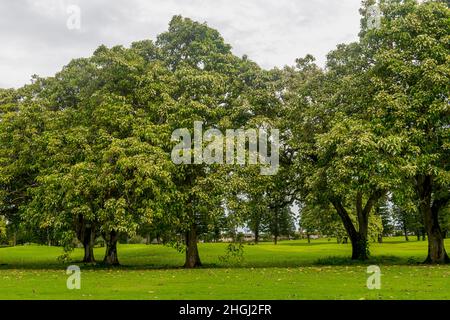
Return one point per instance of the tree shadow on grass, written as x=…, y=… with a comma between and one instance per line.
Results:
x=326, y=261
x=305, y=244
x=374, y=260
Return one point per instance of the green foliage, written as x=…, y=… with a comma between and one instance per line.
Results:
x=234, y=254
x=88, y=150
x=3, y=235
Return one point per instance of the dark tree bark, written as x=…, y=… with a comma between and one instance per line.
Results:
x=111, y=257
x=86, y=235
x=405, y=232
x=192, y=256
x=359, y=251
x=88, y=245
x=358, y=238
x=256, y=232
x=430, y=211
x=308, y=236
x=276, y=225
x=380, y=238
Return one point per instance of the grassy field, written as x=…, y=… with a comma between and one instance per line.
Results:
x=289, y=270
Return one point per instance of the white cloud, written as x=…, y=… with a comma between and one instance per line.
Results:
x=35, y=39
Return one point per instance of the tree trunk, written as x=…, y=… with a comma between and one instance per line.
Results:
x=380, y=238
x=256, y=235
x=88, y=244
x=308, y=237
x=192, y=256
x=111, y=257
x=360, y=248
x=405, y=232
x=429, y=210
x=436, y=248
x=362, y=244
x=86, y=235
x=275, y=239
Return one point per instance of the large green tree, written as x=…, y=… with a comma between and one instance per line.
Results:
x=410, y=72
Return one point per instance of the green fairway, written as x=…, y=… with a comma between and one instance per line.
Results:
x=289, y=270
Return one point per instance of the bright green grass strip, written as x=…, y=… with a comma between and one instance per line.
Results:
x=289, y=270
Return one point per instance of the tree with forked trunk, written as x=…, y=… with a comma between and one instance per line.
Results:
x=411, y=86
x=111, y=258
x=431, y=202
x=342, y=157
x=358, y=234
x=86, y=234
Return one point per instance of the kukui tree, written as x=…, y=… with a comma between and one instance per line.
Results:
x=343, y=155
x=87, y=153
x=212, y=86
x=102, y=171
x=21, y=120
x=411, y=78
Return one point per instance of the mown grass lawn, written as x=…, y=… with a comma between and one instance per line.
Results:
x=289, y=270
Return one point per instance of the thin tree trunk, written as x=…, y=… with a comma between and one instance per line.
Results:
x=405, y=232
x=308, y=236
x=192, y=256
x=88, y=244
x=111, y=257
x=275, y=239
x=86, y=235
x=380, y=238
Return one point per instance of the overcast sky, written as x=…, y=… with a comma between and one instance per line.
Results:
x=35, y=38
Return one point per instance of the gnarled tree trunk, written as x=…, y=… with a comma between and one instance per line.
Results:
x=358, y=238
x=111, y=257
x=86, y=235
x=192, y=256
x=430, y=212
x=88, y=244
